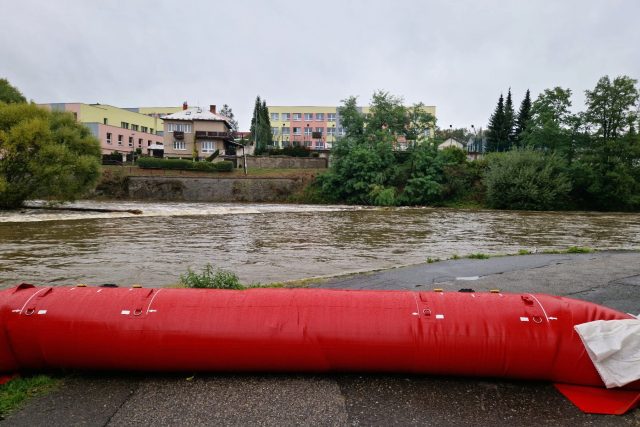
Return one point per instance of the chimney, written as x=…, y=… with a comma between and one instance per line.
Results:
x=185, y=105
x=212, y=108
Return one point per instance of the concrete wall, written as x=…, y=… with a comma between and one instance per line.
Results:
x=213, y=189
x=282, y=162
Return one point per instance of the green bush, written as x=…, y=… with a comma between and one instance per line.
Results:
x=223, y=166
x=218, y=279
x=579, y=250
x=478, y=256
x=526, y=179
x=183, y=164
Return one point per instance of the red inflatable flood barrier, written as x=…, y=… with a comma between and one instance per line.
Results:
x=524, y=336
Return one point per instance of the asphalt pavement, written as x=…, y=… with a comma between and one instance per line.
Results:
x=116, y=399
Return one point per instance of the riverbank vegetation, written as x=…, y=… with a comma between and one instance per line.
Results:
x=16, y=391
x=544, y=157
x=45, y=155
x=218, y=278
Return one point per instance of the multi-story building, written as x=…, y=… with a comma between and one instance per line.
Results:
x=314, y=127
x=195, y=132
x=119, y=130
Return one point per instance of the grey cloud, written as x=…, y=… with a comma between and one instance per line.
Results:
x=457, y=55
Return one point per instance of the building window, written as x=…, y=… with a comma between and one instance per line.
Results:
x=331, y=131
x=108, y=137
x=308, y=117
x=135, y=127
x=151, y=130
x=285, y=130
x=208, y=146
x=308, y=131
x=341, y=131
x=140, y=142
x=144, y=129
x=130, y=141
x=119, y=139
x=320, y=130
x=179, y=127
x=275, y=116
x=319, y=117
x=274, y=131
x=105, y=121
x=286, y=116
x=296, y=131
x=307, y=144
x=331, y=117
x=320, y=145
x=124, y=125
x=179, y=145
x=297, y=117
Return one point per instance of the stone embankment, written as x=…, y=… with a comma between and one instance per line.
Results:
x=190, y=189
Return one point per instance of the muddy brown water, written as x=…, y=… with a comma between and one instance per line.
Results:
x=266, y=243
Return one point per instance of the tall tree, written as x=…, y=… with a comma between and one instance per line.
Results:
x=255, y=121
x=496, y=139
x=509, y=122
x=552, y=125
x=265, y=125
x=228, y=112
x=524, y=116
x=419, y=121
x=611, y=106
x=10, y=94
x=44, y=155
x=261, y=126
x=351, y=119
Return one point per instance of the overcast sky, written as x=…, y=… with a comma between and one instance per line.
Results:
x=456, y=55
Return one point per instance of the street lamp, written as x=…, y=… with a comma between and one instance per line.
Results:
x=474, y=146
x=282, y=136
x=334, y=135
x=306, y=132
x=132, y=141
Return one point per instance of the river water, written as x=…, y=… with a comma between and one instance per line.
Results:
x=265, y=243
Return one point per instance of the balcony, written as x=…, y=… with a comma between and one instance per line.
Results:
x=200, y=134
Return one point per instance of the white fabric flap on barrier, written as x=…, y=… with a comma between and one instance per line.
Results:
x=614, y=349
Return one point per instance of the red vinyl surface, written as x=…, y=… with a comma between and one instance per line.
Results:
x=528, y=336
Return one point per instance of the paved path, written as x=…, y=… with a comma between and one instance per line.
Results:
x=610, y=278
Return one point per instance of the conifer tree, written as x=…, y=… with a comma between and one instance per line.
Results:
x=255, y=120
x=261, y=126
x=265, y=125
x=495, y=130
x=509, y=122
x=228, y=112
x=524, y=116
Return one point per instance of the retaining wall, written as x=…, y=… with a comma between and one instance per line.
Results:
x=283, y=162
x=213, y=189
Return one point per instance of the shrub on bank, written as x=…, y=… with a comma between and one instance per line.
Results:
x=218, y=279
x=527, y=179
x=183, y=164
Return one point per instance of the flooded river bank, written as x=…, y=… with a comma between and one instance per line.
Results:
x=266, y=243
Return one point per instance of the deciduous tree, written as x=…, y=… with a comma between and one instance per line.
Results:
x=10, y=94
x=44, y=155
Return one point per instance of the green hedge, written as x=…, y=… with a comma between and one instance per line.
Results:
x=183, y=164
x=296, y=151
